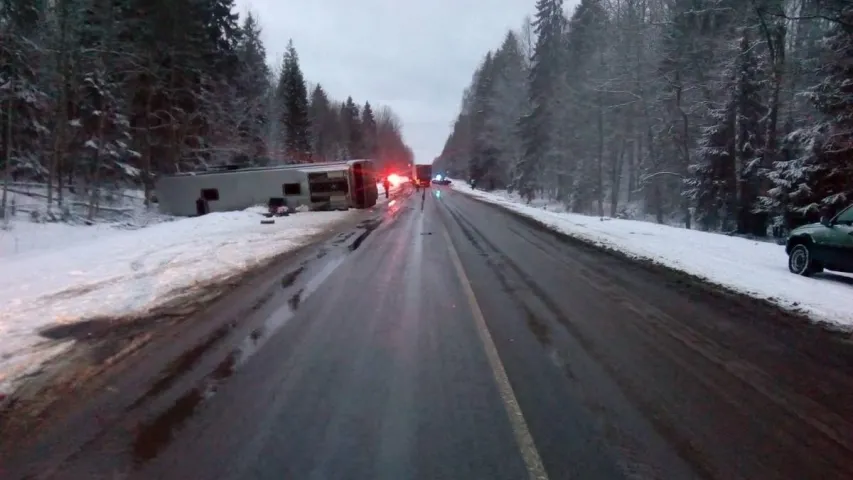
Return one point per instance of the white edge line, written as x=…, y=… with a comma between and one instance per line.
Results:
x=523, y=438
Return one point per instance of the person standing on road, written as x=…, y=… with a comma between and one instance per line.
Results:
x=386, y=184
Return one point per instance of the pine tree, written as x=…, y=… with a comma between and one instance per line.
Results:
x=711, y=183
x=538, y=126
x=580, y=104
x=294, y=96
x=103, y=129
x=368, y=127
x=749, y=137
x=724, y=182
x=251, y=88
x=326, y=135
x=454, y=155
x=820, y=174
x=223, y=36
x=20, y=91
x=22, y=98
x=507, y=104
x=183, y=63
x=352, y=126
x=483, y=149
x=318, y=110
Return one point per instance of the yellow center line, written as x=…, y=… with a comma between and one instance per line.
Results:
x=523, y=438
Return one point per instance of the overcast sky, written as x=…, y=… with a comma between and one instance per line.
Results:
x=415, y=56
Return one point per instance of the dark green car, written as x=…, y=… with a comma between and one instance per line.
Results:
x=828, y=244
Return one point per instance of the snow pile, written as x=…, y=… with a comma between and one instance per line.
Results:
x=755, y=268
x=62, y=274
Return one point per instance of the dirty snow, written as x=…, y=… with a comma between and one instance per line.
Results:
x=57, y=273
x=755, y=268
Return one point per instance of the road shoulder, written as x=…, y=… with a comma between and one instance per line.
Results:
x=675, y=346
x=111, y=352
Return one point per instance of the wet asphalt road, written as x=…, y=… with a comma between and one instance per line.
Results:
x=447, y=338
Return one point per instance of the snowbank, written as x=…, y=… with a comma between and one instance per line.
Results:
x=53, y=274
x=755, y=268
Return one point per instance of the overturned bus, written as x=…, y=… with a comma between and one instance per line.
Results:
x=319, y=186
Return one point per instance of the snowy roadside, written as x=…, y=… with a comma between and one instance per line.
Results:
x=56, y=277
x=758, y=269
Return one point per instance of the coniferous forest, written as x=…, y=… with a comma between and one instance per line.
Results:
x=104, y=93
x=722, y=115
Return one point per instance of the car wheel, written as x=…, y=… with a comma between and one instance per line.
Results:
x=800, y=261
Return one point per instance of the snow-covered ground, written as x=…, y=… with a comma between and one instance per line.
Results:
x=53, y=273
x=758, y=269
x=118, y=207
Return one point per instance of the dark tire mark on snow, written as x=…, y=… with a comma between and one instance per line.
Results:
x=295, y=299
x=94, y=329
x=289, y=278
x=368, y=226
x=226, y=368
x=155, y=435
x=183, y=364
x=152, y=437
x=261, y=301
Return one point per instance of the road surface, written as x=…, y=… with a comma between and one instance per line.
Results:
x=447, y=338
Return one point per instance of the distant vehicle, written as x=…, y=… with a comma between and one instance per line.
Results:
x=828, y=244
x=421, y=175
x=441, y=180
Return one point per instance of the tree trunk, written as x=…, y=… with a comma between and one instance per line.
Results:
x=62, y=105
x=600, y=157
x=633, y=165
x=59, y=143
x=95, y=184
x=771, y=145
x=63, y=164
x=616, y=177
x=8, y=160
x=174, y=154
x=685, y=147
x=149, y=150
x=60, y=185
